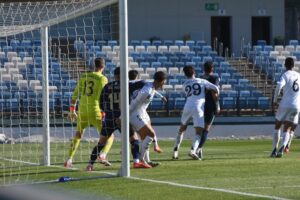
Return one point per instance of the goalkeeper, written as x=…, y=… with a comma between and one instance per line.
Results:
x=88, y=90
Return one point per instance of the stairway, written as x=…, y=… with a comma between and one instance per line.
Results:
x=260, y=80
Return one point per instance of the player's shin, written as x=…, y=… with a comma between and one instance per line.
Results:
x=145, y=146
x=285, y=140
x=95, y=153
x=135, y=150
x=178, y=141
x=276, y=137
x=74, y=146
x=203, y=138
x=196, y=142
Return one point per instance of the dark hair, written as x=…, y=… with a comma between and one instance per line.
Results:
x=99, y=63
x=289, y=63
x=189, y=71
x=117, y=71
x=133, y=74
x=208, y=66
x=159, y=76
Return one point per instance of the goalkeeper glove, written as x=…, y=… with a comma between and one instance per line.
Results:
x=72, y=116
x=103, y=115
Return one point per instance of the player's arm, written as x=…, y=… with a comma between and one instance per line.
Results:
x=212, y=87
x=164, y=99
x=279, y=86
x=72, y=116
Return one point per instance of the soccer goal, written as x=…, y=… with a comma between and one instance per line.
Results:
x=44, y=48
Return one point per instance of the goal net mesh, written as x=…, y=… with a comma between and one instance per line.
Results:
x=78, y=32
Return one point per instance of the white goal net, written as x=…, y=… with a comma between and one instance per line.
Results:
x=78, y=31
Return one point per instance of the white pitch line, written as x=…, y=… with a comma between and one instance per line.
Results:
x=209, y=188
x=19, y=161
x=172, y=183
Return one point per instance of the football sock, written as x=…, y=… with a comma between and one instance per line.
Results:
x=155, y=141
x=292, y=133
x=147, y=155
x=95, y=153
x=108, y=144
x=203, y=138
x=285, y=140
x=178, y=141
x=276, y=137
x=135, y=149
x=145, y=146
x=74, y=146
x=196, y=142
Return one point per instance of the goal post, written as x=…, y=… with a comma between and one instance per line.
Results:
x=44, y=48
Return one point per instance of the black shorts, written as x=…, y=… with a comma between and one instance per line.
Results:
x=209, y=115
x=109, y=125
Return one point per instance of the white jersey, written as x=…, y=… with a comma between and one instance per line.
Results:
x=142, y=99
x=195, y=90
x=194, y=106
x=289, y=82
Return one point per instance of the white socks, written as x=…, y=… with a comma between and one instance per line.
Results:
x=178, y=141
x=145, y=146
x=276, y=138
x=196, y=142
x=285, y=139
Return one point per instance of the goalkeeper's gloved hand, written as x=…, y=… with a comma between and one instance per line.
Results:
x=103, y=115
x=72, y=116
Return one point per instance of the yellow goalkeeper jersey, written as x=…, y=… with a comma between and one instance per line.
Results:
x=88, y=89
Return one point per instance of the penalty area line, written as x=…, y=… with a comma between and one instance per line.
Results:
x=209, y=188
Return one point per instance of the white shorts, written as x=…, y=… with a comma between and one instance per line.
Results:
x=195, y=112
x=139, y=119
x=288, y=114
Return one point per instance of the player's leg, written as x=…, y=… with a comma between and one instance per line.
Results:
x=96, y=152
x=285, y=137
x=209, y=116
x=198, y=121
x=292, y=133
x=178, y=140
x=196, y=142
x=185, y=117
x=81, y=125
x=107, y=147
x=276, y=136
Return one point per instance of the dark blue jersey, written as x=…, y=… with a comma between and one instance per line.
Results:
x=110, y=97
x=209, y=100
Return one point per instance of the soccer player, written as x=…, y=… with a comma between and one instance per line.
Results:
x=88, y=90
x=288, y=111
x=195, y=89
x=211, y=106
x=139, y=118
x=110, y=104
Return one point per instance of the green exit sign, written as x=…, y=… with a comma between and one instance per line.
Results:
x=211, y=6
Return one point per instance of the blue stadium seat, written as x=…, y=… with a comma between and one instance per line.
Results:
x=179, y=103
x=168, y=42
x=179, y=42
x=145, y=43
x=112, y=43
x=232, y=93
x=263, y=103
x=190, y=43
x=135, y=42
x=12, y=105
x=242, y=103
x=244, y=93
x=228, y=103
x=174, y=59
x=157, y=104
x=156, y=43
x=252, y=102
x=294, y=42
x=2, y=105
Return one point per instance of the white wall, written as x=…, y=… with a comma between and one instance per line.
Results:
x=172, y=19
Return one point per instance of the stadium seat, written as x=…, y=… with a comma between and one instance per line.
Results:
x=157, y=104
x=179, y=103
x=228, y=103
x=263, y=103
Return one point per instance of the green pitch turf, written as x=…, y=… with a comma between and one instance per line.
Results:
x=229, y=166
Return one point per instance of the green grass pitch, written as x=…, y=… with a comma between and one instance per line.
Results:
x=229, y=166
